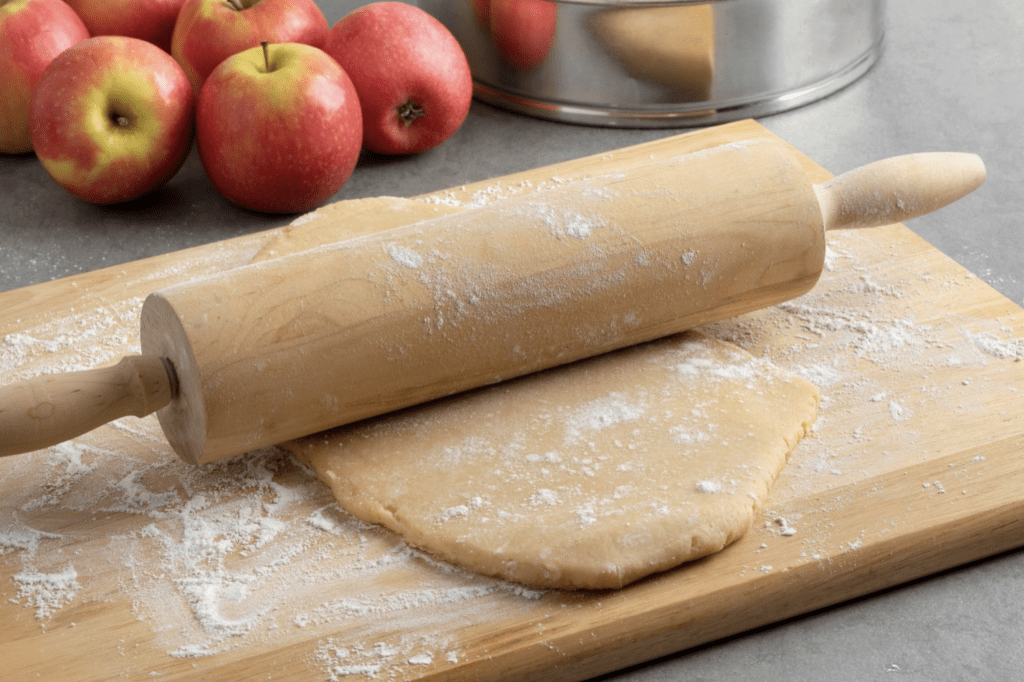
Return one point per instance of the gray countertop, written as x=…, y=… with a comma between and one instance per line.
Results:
x=951, y=78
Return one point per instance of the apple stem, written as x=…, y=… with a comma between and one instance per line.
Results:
x=409, y=112
x=266, y=54
x=235, y=5
x=122, y=121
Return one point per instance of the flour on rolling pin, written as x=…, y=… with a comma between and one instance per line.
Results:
x=289, y=347
x=366, y=326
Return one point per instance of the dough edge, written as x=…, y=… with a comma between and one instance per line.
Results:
x=595, y=559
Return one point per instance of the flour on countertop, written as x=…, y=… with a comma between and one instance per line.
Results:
x=854, y=318
x=992, y=344
x=210, y=558
x=255, y=550
x=47, y=592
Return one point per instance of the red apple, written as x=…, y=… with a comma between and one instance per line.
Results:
x=412, y=77
x=209, y=31
x=32, y=33
x=523, y=30
x=278, y=131
x=111, y=118
x=151, y=20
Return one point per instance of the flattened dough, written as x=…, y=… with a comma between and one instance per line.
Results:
x=591, y=475
x=587, y=476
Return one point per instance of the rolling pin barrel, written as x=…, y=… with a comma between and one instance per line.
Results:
x=288, y=347
x=291, y=346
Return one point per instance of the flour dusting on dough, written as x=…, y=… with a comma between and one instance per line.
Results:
x=709, y=486
x=592, y=488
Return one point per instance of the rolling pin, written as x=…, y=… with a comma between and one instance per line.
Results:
x=287, y=347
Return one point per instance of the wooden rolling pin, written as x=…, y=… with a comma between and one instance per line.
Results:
x=276, y=350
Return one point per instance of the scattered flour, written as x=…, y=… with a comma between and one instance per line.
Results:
x=255, y=551
x=47, y=592
x=992, y=345
x=545, y=496
x=237, y=553
x=565, y=222
x=405, y=256
x=601, y=414
x=709, y=486
x=780, y=526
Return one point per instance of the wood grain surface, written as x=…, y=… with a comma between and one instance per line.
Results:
x=117, y=561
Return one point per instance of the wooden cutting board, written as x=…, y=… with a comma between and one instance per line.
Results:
x=117, y=561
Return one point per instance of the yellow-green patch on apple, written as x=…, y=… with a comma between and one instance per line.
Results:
x=111, y=119
x=274, y=67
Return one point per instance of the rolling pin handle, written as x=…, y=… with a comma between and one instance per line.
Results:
x=897, y=189
x=53, y=408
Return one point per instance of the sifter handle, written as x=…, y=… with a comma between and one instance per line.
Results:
x=897, y=189
x=53, y=408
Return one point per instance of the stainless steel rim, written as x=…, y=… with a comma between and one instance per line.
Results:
x=680, y=115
